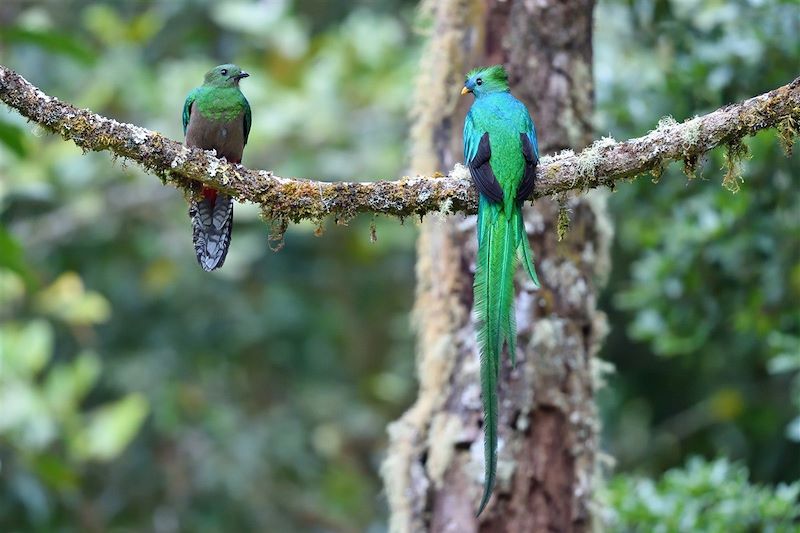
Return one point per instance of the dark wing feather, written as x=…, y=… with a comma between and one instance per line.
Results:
x=248, y=119
x=482, y=172
x=187, y=109
x=529, y=172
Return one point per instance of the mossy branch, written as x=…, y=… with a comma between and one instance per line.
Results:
x=286, y=199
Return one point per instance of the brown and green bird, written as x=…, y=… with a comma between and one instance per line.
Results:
x=216, y=116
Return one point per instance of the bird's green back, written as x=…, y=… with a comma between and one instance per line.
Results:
x=504, y=118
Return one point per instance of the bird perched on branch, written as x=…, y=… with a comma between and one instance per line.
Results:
x=216, y=116
x=501, y=151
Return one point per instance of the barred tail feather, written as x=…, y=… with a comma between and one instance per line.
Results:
x=212, y=222
x=494, y=298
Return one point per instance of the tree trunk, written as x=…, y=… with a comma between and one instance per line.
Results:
x=548, y=424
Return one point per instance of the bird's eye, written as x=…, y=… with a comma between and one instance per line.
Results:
x=224, y=72
x=479, y=81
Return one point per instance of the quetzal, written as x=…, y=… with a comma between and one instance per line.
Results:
x=216, y=116
x=501, y=151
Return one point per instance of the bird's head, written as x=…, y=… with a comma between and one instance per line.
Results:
x=225, y=76
x=486, y=80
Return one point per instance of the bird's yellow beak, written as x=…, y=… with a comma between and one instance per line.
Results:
x=464, y=90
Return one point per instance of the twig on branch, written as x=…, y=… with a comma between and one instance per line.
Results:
x=603, y=163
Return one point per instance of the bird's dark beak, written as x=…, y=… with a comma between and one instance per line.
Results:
x=464, y=90
x=241, y=75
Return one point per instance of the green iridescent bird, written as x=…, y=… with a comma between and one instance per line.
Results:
x=216, y=116
x=501, y=151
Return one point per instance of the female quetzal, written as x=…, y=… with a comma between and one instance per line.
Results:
x=216, y=116
x=501, y=152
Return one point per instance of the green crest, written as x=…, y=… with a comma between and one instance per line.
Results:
x=483, y=80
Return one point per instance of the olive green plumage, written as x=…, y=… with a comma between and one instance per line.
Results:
x=501, y=151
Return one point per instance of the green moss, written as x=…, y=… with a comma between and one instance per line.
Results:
x=735, y=152
x=691, y=134
x=445, y=208
x=591, y=157
x=787, y=133
x=666, y=122
x=552, y=171
x=277, y=231
x=562, y=227
x=690, y=165
x=657, y=171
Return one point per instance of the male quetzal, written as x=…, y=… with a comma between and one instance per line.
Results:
x=501, y=152
x=216, y=116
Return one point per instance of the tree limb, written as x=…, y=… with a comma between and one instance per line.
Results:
x=603, y=163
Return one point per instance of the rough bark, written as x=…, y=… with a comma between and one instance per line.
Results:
x=548, y=425
x=293, y=199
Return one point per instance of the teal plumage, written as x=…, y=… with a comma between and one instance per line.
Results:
x=501, y=151
x=216, y=116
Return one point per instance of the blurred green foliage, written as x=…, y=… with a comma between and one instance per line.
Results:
x=268, y=384
x=703, y=497
x=703, y=298
x=139, y=393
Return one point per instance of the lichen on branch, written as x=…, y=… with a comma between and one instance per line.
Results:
x=289, y=199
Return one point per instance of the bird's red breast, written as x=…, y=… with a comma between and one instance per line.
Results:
x=210, y=195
